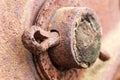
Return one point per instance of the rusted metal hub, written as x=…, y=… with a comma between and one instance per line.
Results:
x=72, y=41
x=80, y=36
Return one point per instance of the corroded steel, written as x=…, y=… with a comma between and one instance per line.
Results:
x=77, y=52
x=104, y=56
x=79, y=46
x=80, y=37
x=37, y=41
x=18, y=15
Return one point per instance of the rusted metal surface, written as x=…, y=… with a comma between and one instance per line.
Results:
x=104, y=56
x=15, y=61
x=37, y=40
x=80, y=37
x=75, y=24
x=15, y=16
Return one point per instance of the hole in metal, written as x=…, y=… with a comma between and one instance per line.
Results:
x=38, y=37
x=53, y=30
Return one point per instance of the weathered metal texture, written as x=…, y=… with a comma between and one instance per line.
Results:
x=80, y=37
x=37, y=40
x=75, y=23
x=16, y=16
x=15, y=61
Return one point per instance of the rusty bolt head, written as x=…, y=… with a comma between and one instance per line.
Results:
x=80, y=38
